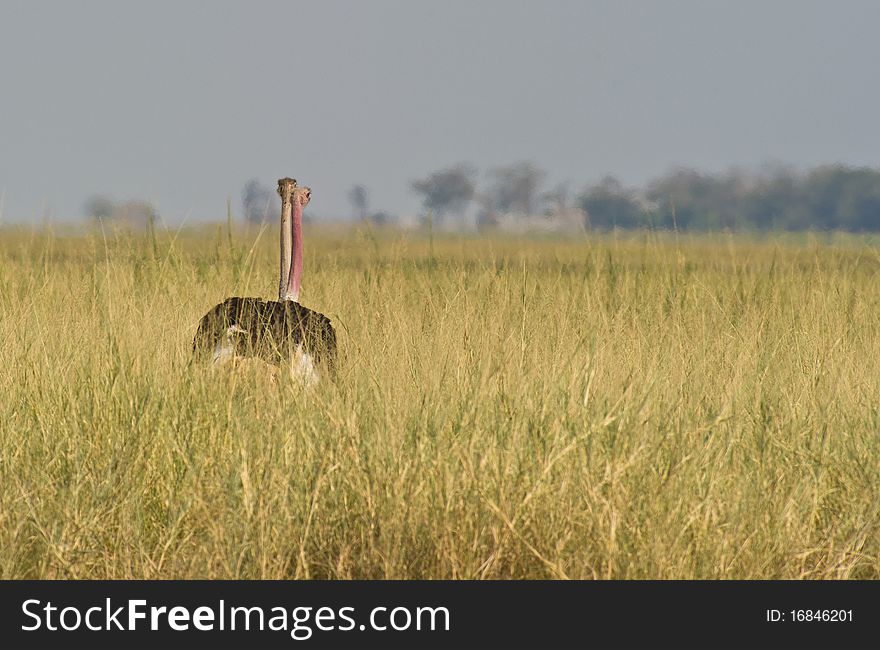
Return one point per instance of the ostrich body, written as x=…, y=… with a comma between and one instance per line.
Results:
x=277, y=332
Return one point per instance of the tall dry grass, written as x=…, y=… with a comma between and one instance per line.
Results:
x=638, y=406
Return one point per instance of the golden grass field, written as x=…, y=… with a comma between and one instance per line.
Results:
x=605, y=406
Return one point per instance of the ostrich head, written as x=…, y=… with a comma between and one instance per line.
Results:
x=293, y=200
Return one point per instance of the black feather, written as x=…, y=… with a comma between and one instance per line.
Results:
x=267, y=329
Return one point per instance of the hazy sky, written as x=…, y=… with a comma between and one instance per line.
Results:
x=182, y=102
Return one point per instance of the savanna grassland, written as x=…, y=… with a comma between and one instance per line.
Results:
x=606, y=406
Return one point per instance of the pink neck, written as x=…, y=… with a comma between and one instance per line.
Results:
x=295, y=279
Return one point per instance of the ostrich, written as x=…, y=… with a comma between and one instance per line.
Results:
x=277, y=332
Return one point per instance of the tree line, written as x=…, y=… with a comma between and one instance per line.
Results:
x=831, y=197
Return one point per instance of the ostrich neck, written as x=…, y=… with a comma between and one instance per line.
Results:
x=286, y=244
x=295, y=278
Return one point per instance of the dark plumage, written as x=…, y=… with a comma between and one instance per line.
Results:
x=271, y=330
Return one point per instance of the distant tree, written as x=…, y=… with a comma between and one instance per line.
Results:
x=125, y=213
x=773, y=200
x=381, y=218
x=447, y=191
x=359, y=198
x=135, y=213
x=843, y=198
x=609, y=205
x=99, y=207
x=685, y=198
x=256, y=201
x=557, y=198
x=514, y=188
